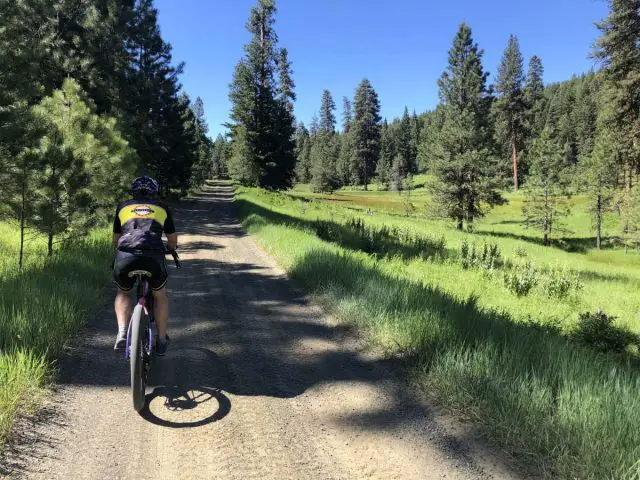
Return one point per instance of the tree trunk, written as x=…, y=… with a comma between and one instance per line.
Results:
x=546, y=222
x=599, y=221
x=470, y=211
x=514, y=156
x=50, y=242
x=460, y=224
x=22, y=213
x=366, y=177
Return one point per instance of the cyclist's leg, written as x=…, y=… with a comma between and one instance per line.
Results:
x=123, y=307
x=123, y=304
x=161, y=311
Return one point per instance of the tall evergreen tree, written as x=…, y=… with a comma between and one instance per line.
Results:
x=405, y=145
x=325, y=148
x=327, y=113
x=617, y=49
x=510, y=106
x=345, y=165
x=78, y=155
x=303, y=154
x=267, y=124
x=416, y=132
x=598, y=176
x=535, y=98
x=219, y=157
x=387, y=155
x=347, y=115
x=430, y=131
x=287, y=87
x=463, y=166
x=366, y=133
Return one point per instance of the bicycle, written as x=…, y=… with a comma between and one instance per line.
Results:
x=140, y=338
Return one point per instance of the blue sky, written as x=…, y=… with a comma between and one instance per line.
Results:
x=400, y=45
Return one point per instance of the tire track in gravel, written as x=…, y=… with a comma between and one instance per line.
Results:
x=258, y=383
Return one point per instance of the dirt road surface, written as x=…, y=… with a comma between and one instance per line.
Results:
x=258, y=383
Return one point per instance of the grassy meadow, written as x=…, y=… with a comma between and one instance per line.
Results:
x=495, y=336
x=40, y=310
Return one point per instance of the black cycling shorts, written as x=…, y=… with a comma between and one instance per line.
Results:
x=152, y=262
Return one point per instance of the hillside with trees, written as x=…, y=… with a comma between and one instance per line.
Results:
x=554, y=140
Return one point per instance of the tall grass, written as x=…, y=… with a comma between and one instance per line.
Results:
x=40, y=308
x=563, y=409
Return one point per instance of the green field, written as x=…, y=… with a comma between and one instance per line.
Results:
x=40, y=310
x=513, y=363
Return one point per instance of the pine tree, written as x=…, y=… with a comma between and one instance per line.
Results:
x=585, y=114
x=598, y=176
x=201, y=168
x=314, y=129
x=405, y=147
x=219, y=157
x=387, y=154
x=347, y=115
x=77, y=158
x=344, y=168
x=534, y=98
x=267, y=123
x=416, y=133
x=327, y=115
x=324, y=157
x=303, y=154
x=462, y=164
x=510, y=106
x=429, y=133
x=366, y=133
x=325, y=149
x=287, y=87
x=160, y=119
x=240, y=166
x=546, y=204
x=617, y=49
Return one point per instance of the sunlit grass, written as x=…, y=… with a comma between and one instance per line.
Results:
x=40, y=309
x=563, y=409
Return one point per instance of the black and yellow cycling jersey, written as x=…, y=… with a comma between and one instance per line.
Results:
x=141, y=224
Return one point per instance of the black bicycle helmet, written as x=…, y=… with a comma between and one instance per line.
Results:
x=145, y=186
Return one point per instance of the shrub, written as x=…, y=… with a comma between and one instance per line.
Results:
x=598, y=330
x=558, y=283
x=521, y=278
x=520, y=252
x=487, y=256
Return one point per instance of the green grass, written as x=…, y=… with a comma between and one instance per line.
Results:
x=506, y=362
x=40, y=309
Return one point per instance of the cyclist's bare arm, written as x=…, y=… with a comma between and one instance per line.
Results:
x=172, y=241
x=115, y=238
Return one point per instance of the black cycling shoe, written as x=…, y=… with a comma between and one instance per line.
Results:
x=161, y=347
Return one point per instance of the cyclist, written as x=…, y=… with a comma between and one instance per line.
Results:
x=137, y=233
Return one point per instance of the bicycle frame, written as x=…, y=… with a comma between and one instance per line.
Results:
x=145, y=299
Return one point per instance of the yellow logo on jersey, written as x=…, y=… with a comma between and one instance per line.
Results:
x=143, y=211
x=152, y=212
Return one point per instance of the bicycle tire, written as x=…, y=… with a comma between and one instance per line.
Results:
x=136, y=358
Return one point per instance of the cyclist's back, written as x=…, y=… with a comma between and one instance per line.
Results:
x=141, y=222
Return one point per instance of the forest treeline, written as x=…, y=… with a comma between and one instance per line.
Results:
x=89, y=97
x=577, y=136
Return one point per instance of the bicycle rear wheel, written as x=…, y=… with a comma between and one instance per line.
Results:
x=136, y=358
